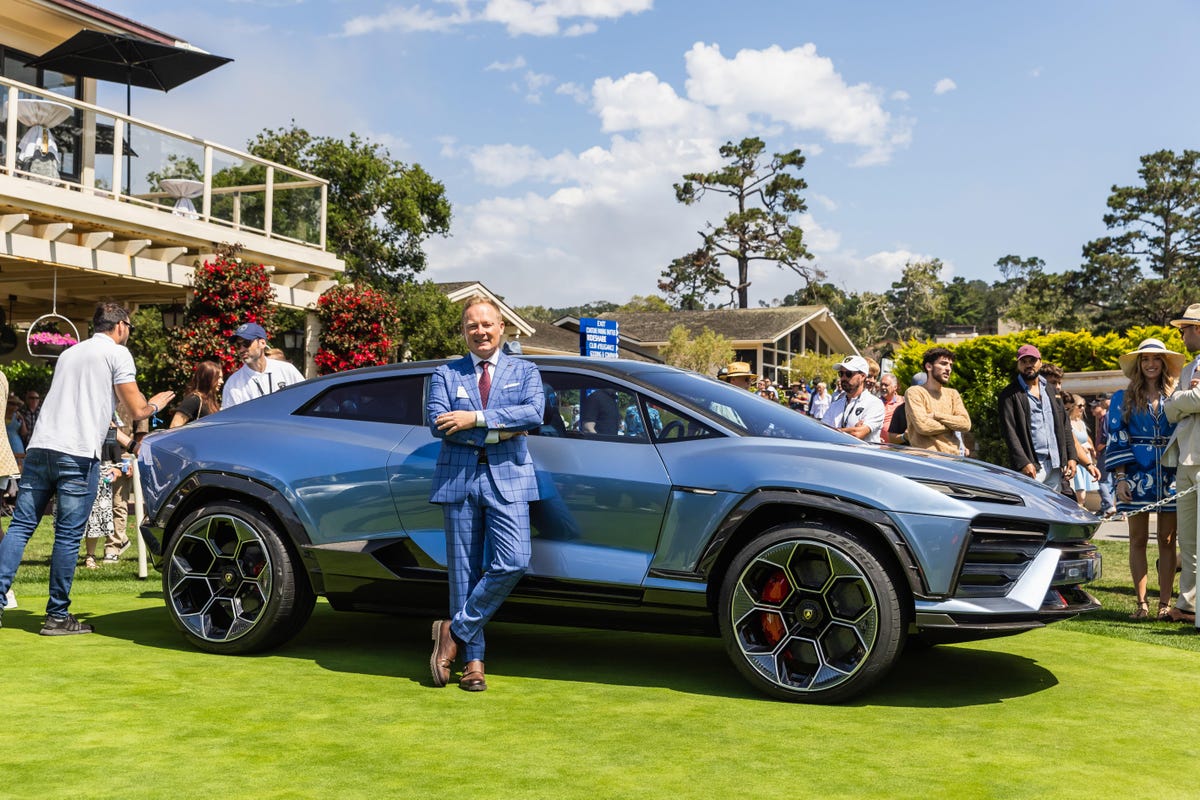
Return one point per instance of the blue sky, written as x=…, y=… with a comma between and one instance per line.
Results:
x=957, y=130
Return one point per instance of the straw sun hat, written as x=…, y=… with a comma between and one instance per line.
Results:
x=1172, y=360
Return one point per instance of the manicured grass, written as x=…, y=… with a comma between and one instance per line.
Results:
x=346, y=710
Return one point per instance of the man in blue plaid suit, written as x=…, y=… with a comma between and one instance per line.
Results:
x=481, y=406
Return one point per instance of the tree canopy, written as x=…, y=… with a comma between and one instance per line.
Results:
x=766, y=197
x=380, y=211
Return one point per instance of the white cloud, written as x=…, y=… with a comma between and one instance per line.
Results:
x=797, y=87
x=640, y=101
x=573, y=91
x=944, y=85
x=900, y=95
x=505, y=66
x=535, y=82
x=519, y=17
x=828, y=203
x=405, y=19
x=602, y=222
x=1036, y=72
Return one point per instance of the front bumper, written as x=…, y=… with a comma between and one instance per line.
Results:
x=1048, y=590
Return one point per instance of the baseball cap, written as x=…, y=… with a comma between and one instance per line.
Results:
x=250, y=331
x=1028, y=350
x=1098, y=399
x=853, y=364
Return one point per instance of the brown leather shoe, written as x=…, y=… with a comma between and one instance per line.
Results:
x=472, y=679
x=445, y=650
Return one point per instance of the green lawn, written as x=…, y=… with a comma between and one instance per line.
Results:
x=1087, y=708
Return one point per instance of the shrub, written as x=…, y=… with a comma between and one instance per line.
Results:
x=226, y=293
x=983, y=366
x=23, y=376
x=358, y=329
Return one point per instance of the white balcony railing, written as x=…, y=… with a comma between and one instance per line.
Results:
x=87, y=148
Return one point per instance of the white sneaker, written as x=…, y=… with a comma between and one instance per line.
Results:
x=10, y=600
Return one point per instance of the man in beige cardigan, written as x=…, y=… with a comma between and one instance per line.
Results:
x=1183, y=408
x=936, y=415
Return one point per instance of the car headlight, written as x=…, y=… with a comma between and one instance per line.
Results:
x=972, y=493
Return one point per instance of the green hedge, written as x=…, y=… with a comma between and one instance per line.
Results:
x=24, y=375
x=984, y=365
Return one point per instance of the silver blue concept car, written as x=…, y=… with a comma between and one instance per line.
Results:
x=708, y=510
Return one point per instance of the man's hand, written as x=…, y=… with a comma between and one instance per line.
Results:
x=161, y=400
x=1069, y=469
x=455, y=421
x=1029, y=470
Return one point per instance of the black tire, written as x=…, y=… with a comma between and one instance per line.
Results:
x=811, y=614
x=231, y=582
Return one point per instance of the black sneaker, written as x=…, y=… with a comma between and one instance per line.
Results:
x=64, y=626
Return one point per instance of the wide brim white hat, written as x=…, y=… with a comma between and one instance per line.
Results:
x=1190, y=317
x=1172, y=360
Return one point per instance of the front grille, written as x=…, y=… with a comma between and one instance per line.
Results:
x=998, y=552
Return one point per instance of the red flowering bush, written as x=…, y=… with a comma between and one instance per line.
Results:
x=227, y=292
x=358, y=328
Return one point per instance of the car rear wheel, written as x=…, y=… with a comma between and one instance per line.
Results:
x=231, y=583
x=811, y=614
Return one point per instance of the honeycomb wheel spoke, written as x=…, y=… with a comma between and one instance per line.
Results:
x=218, y=577
x=804, y=615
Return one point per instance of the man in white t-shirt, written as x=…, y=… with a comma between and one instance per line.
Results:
x=855, y=410
x=259, y=375
x=63, y=457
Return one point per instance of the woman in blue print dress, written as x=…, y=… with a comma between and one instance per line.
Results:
x=1137, y=435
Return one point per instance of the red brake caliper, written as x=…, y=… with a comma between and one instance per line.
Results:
x=774, y=591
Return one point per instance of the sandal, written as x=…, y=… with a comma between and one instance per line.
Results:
x=90, y=562
x=1142, y=612
x=1164, y=612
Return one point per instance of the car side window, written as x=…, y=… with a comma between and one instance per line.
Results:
x=676, y=427
x=395, y=400
x=588, y=407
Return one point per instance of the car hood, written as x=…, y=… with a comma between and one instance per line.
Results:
x=893, y=479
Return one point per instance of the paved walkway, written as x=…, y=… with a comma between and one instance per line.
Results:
x=1119, y=531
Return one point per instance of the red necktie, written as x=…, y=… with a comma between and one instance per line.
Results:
x=485, y=383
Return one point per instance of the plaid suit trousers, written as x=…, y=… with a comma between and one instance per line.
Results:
x=487, y=552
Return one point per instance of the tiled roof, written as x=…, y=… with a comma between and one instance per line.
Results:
x=736, y=324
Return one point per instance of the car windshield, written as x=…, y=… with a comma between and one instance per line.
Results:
x=746, y=411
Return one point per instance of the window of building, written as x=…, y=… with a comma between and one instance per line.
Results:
x=68, y=134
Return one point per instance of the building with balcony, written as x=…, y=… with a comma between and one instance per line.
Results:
x=96, y=204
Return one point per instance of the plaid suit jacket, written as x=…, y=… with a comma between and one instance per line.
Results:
x=515, y=403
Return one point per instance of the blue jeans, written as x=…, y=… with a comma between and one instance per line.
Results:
x=1106, y=492
x=74, y=479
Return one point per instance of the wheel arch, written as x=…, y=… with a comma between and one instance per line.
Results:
x=765, y=510
x=204, y=487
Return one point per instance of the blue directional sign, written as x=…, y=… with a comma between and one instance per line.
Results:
x=598, y=338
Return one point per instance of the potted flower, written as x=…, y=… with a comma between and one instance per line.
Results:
x=49, y=344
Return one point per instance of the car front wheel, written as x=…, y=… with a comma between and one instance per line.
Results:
x=811, y=614
x=231, y=583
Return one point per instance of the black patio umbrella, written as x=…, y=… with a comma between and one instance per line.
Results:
x=131, y=60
